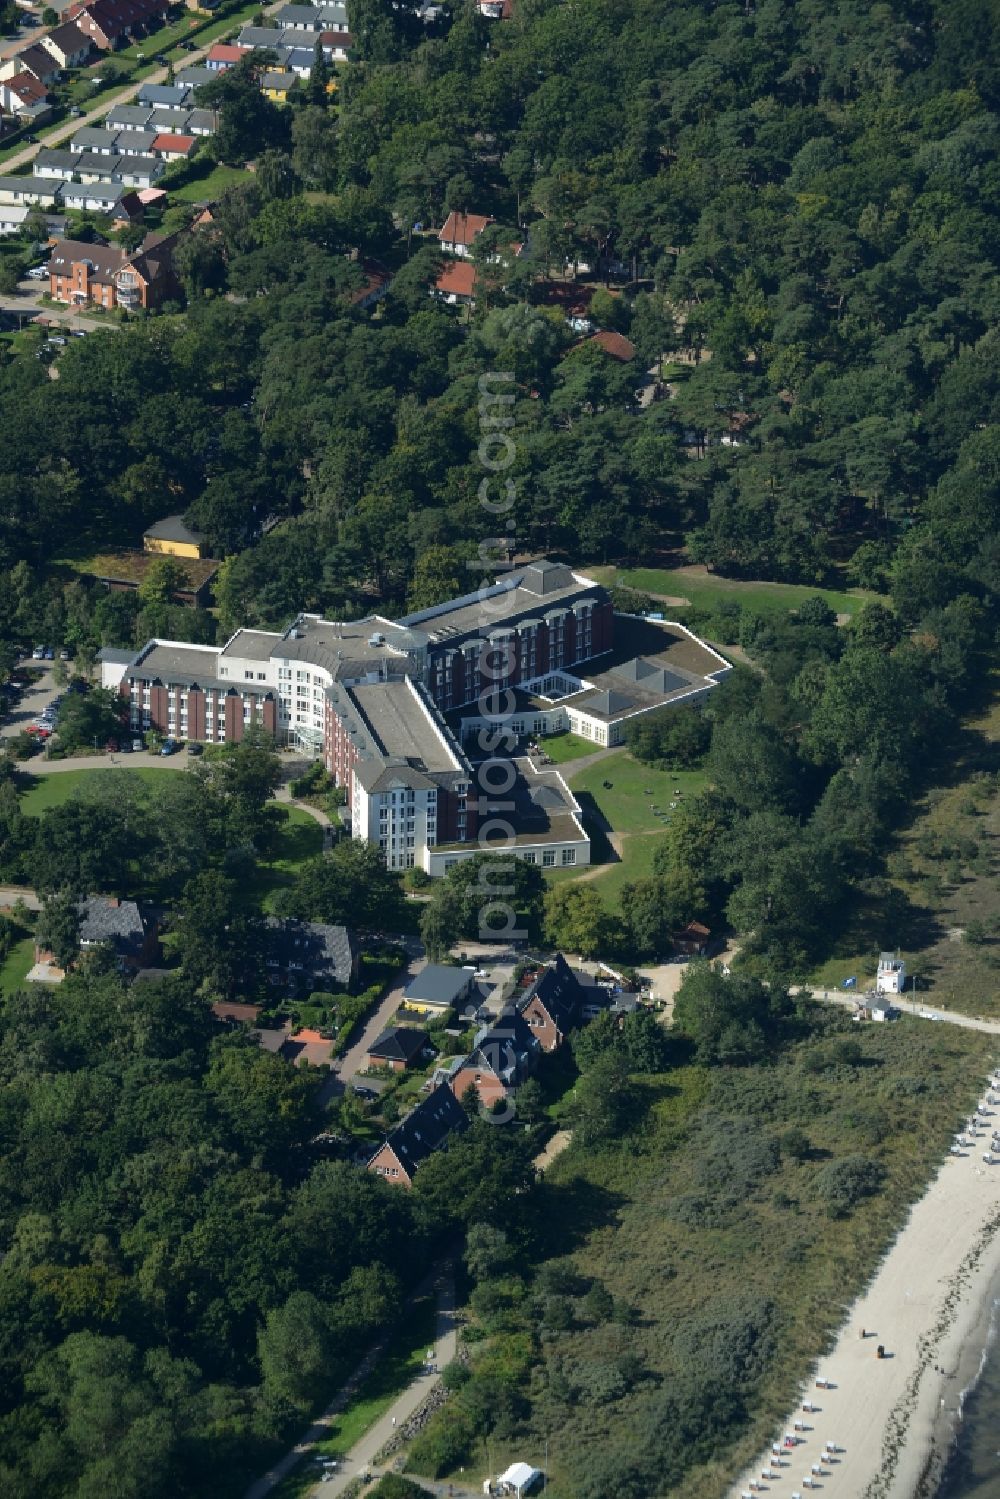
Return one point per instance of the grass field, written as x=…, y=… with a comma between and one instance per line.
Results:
x=18, y=961
x=54, y=790
x=563, y=747
x=209, y=186
x=300, y=839
x=703, y=590
x=942, y=872
x=400, y=1363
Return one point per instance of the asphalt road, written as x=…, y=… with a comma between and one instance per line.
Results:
x=27, y=303
x=922, y=1009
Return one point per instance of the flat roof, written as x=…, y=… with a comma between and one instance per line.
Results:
x=344, y=646
x=252, y=645
x=182, y=664
x=533, y=589
x=401, y=724
x=438, y=983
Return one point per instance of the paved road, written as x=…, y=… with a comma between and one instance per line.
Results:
x=360, y=1458
x=922, y=1009
x=36, y=698
x=355, y=1059
x=26, y=301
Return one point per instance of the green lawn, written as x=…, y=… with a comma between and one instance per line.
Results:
x=301, y=838
x=563, y=747
x=638, y=798
x=706, y=591
x=209, y=186
x=397, y=1367
x=20, y=958
x=53, y=790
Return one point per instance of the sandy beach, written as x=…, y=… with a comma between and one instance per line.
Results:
x=929, y=1306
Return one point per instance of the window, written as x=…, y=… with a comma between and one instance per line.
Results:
x=548, y=857
x=569, y=855
x=529, y=858
x=262, y=676
x=223, y=671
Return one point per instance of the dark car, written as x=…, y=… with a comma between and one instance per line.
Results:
x=168, y=747
x=112, y=746
x=196, y=749
x=361, y=1092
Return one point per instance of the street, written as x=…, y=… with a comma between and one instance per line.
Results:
x=36, y=698
x=26, y=303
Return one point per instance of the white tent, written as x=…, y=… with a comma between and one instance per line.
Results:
x=519, y=1479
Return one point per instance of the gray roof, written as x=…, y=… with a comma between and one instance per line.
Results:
x=116, y=656
x=172, y=528
x=400, y=1043
x=427, y=1128
x=91, y=138
x=259, y=36
x=45, y=187
x=128, y=116
x=196, y=77
x=251, y=645
x=140, y=168
x=344, y=649
x=182, y=665
x=164, y=94
x=324, y=954
x=101, y=192
x=104, y=919
x=439, y=984
x=138, y=142
x=519, y=594
x=199, y=119
x=400, y=726
x=61, y=160
x=104, y=168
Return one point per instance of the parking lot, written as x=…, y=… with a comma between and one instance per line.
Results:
x=33, y=702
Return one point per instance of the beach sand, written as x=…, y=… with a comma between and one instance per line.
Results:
x=929, y=1305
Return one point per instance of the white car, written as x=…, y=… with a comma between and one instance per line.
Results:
x=38, y=273
x=38, y=654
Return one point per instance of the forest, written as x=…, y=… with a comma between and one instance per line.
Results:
x=791, y=211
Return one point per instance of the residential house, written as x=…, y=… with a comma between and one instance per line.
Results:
x=312, y=18
x=275, y=85
x=68, y=45
x=110, y=23
x=305, y=956
x=692, y=940
x=456, y=284
x=81, y=274
x=25, y=98
x=425, y=1130
x=505, y=1053
x=224, y=55
x=173, y=147
x=172, y=536
x=398, y=1048
x=496, y=10
x=128, y=117
x=158, y=96
x=615, y=344
x=89, y=138
x=62, y=166
x=93, y=167
x=377, y=280
x=14, y=216
x=196, y=77
x=30, y=190
x=120, y=924
x=460, y=230
x=337, y=45
x=258, y=36
x=37, y=61
x=550, y=1004
x=140, y=171
x=200, y=122
x=97, y=197
x=439, y=987
x=135, y=142
x=297, y=60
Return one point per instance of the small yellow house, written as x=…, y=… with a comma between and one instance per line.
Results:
x=275, y=84
x=172, y=537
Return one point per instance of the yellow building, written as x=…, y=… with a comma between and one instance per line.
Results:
x=173, y=537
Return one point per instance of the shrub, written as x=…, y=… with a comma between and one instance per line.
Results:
x=444, y=1443
x=842, y=1184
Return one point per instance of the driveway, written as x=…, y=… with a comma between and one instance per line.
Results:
x=27, y=304
x=920, y=1009
x=355, y=1059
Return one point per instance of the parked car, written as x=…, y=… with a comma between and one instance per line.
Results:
x=112, y=746
x=126, y=747
x=64, y=654
x=38, y=654
x=168, y=747
x=50, y=654
x=57, y=338
x=137, y=745
x=362, y=1092
x=196, y=749
x=38, y=273
x=76, y=113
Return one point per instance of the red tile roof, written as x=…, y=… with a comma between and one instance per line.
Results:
x=615, y=344
x=462, y=228
x=458, y=279
x=225, y=52
x=27, y=88
x=184, y=143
